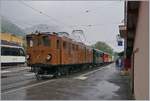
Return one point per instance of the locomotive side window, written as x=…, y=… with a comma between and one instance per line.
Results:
x=77, y=47
x=58, y=44
x=46, y=41
x=69, y=48
x=31, y=43
x=73, y=48
x=64, y=45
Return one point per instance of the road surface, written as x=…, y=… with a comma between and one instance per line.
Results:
x=103, y=83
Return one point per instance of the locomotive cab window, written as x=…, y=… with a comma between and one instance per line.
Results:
x=29, y=41
x=46, y=41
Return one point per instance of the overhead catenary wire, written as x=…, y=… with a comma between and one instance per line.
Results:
x=58, y=21
x=43, y=13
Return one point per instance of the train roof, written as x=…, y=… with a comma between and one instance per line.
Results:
x=98, y=50
x=63, y=35
x=7, y=43
x=102, y=51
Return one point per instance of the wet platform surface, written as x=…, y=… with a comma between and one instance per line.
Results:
x=104, y=83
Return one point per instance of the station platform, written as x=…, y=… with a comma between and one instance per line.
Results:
x=104, y=83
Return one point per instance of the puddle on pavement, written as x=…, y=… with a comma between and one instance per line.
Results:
x=107, y=89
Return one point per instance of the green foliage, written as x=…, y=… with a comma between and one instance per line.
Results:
x=103, y=46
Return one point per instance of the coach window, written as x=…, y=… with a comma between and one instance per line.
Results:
x=5, y=51
x=14, y=52
x=21, y=52
x=46, y=41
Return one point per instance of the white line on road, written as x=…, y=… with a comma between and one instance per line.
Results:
x=83, y=76
x=29, y=86
x=18, y=69
x=88, y=73
x=80, y=78
x=4, y=71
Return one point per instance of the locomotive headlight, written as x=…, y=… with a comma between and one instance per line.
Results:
x=48, y=57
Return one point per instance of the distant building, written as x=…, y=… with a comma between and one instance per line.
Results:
x=12, y=38
x=135, y=31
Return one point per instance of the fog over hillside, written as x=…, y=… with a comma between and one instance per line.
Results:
x=9, y=27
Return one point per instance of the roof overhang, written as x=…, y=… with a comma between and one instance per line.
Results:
x=123, y=30
x=132, y=19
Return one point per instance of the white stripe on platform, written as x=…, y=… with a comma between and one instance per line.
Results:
x=29, y=74
x=14, y=70
x=88, y=73
x=84, y=76
x=5, y=71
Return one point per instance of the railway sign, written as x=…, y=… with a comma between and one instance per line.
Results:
x=119, y=40
x=120, y=43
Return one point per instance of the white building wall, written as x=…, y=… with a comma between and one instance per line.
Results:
x=141, y=60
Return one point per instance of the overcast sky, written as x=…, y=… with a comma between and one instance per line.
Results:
x=104, y=16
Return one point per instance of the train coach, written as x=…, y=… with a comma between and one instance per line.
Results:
x=51, y=53
x=12, y=54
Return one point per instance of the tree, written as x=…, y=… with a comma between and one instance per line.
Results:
x=103, y=46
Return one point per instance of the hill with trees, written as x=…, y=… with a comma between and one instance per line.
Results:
x=8, y=27
x=103, y=46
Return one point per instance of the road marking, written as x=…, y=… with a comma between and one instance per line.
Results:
x=18, y=69
x=4, y=71
x=88, y=73
x=84, y=76
x=81, y=78
x=29, y=86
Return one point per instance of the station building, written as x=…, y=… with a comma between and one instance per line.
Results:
x=135, y=31
x=12, y=38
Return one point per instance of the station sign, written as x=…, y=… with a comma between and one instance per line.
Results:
x=120, y=43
